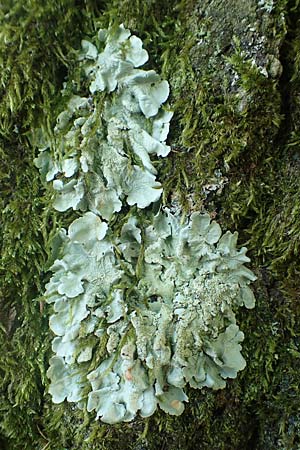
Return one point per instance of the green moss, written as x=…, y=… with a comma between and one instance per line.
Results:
x=227, y=109
x=217, y=125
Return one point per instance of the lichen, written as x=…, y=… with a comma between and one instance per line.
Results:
x=100, y=152
x=161, y=296
x=164, y=304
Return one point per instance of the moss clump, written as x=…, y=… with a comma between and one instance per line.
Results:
x=36, y=39
x=227, y=104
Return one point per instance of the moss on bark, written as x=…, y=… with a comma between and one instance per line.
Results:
x=235, y=86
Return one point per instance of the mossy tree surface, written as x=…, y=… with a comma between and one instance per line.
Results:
x=235, y=88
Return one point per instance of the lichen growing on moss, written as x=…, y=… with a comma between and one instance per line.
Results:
x=164, y=304
x=101, y=150
x=183, y=285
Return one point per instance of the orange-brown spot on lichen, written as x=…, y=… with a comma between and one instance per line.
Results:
x=128, y=375
x=175, y=404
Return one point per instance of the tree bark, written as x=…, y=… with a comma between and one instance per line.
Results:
x=233, y=69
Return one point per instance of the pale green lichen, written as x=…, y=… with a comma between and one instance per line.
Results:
x=100, y=152
x=158, y=294
x=168, y=315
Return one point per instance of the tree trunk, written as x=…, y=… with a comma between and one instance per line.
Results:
x=233, y=69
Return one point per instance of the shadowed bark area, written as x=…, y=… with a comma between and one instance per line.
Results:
x=233, y=68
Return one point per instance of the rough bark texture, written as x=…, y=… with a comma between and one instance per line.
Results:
x=233, y=67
